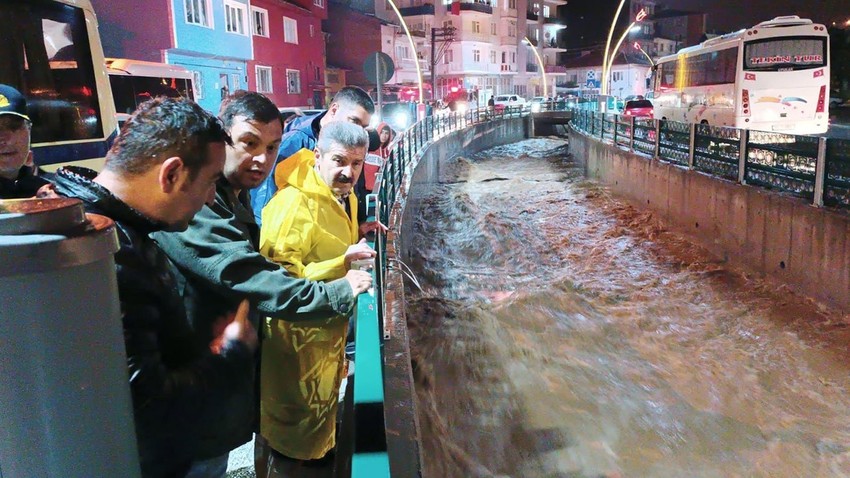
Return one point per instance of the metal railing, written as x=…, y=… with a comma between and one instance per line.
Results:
x=814, y=168
x=369, y=457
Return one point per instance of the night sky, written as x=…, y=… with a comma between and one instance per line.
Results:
x=730, y=15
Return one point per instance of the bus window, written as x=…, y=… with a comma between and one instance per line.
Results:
x=48, y=58
x=131, y=91
x=786, y=53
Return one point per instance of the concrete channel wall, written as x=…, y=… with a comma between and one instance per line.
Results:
x=780, y=236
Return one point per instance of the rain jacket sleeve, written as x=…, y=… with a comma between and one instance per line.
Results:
x=215, y=250
x=290, y=144
x=290, y=236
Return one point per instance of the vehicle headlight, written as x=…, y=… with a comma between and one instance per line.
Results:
x=462, y=108
x=535, y=107
x=402, y=120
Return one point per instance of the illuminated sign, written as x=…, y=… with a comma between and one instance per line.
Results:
x=769, y=60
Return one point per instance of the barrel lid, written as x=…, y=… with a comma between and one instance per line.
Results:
x=40, y=235
x=41, y=216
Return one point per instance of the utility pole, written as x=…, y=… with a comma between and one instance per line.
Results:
x=445, y=35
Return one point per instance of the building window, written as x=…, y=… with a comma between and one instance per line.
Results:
x=333, y=78
x=318, y=75
x=293, y=82
x=492, y=57
x=260, y=21
x=512, y=4
x=617, y=76
x=234, y=17
x=198, y=81
x=198, y=12
x=264, y=79
x=476, y=27
x=448, y=57
x=476, y=56
x=504, y=57
x=290, y=30
x=512, y=30
x=492, y=28
x=402, y=52
x=546, y=11
x=447, y=24
x=513, y=57
x=319, y=3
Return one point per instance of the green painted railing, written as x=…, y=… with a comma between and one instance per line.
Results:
x=369, y=457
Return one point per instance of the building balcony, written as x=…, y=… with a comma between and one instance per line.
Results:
x=553, y=45
x=556, y=69
x=507, y=68
x=427, y=9
x=506, y=40
x=479, y=7
x=529, y=15
x=532, y=68
x=553, y=21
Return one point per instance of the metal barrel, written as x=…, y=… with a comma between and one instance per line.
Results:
x=65, y=407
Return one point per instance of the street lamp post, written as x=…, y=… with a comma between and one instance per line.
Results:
x=539, y=62
x=638, y=47
x=608, y=45
x=412, y=48
x=606, y=70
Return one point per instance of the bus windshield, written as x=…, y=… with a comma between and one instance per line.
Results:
x=785, y=54
x=47, y=57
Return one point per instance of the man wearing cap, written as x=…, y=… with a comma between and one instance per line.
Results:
x=18, y=175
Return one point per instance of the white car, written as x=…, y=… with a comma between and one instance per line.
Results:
x=508, y=102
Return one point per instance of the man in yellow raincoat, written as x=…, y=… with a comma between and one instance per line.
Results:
x=310, y=228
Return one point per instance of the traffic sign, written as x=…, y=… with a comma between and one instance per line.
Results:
x=379, y=67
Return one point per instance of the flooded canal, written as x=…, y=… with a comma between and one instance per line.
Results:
x=563, y=333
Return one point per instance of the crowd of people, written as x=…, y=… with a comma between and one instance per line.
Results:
x=235, y=279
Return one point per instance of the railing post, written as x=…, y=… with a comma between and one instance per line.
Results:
x=632, y=135
x=692, y=131
x=616, y=127
x=820, y=172
x=657, y=153
x=602, y=129
x=742, y=156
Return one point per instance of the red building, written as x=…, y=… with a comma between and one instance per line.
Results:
x=289, y=51
x=361, y=35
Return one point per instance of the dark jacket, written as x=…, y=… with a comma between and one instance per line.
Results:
x=299, y=133
x=26, y=185
x=176, y=385
x=219, y=266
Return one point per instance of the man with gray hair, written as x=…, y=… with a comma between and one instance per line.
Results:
x=310, y=228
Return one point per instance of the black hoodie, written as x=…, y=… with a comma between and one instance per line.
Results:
x=175, y=384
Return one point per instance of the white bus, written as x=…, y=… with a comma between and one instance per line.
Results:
x=771, y=77
x=52, y=54
x=135, y=81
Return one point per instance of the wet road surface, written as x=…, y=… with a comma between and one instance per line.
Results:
x=563, y=333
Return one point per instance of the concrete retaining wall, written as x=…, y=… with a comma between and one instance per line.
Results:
x=766, y=232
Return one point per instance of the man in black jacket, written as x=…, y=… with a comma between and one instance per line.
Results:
x=160, y=171
x=18, y=177
x=220, y=266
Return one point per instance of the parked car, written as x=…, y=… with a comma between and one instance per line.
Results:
x=539, y=103
x=508, y=102
x=638, y=108
x=289, y=113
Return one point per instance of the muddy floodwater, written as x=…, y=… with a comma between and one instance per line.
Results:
x=561, y=332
